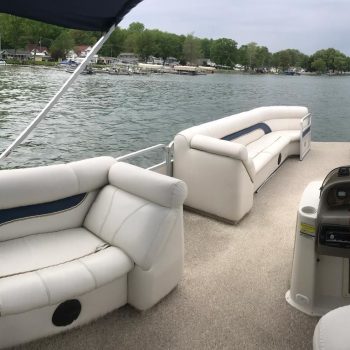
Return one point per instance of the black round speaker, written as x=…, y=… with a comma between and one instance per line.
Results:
x=66, y=313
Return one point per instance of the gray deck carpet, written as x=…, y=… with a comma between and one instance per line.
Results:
x=232, y=292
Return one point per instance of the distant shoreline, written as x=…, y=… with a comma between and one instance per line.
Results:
x=54, y=66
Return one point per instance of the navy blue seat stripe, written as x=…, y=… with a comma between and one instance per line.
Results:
x=7, y=215
x=264, y=127
x=306, y=131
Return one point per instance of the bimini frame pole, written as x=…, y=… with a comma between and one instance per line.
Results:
x=58, y=95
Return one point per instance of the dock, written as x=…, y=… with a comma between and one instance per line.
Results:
x=232, y=295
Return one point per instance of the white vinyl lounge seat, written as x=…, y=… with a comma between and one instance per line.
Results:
x=81, y=239
x=332, y=330
x=224, y=161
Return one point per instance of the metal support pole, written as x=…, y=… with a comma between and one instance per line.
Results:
x=168, y=157
x=58, y=95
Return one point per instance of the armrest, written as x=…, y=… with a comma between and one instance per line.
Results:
x=157, y=188
x=224, y=148
x=220, y=147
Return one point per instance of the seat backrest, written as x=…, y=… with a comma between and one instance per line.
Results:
x=248, y=126
x=49, y=198
x=137, y=211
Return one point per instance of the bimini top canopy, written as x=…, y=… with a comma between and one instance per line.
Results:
x=78, y=14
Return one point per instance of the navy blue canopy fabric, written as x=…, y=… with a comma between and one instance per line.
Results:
x=96, y=15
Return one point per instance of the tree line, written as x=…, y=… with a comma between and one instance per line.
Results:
x=17, y=33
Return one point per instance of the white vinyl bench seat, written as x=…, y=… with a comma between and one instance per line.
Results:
x=273, y=143
x=223, y=162
x=54, y=284
x=47, y=249
x=79, y=240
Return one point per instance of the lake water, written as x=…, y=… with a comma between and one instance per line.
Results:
x=113, y=115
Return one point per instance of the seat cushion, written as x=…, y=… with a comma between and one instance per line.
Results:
x=268, y=140
x=294, y=135
x=52, y=285
x=264, y=149
x=332, y=330
x=47, y=249
x=137, y=226
x=277, y=147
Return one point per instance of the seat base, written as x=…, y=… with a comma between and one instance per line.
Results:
x=24, y=327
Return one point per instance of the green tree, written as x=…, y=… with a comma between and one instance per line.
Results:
x=340, y=63
x=136, y=27
x=334, y=59
x=285, y=60
x=252, y=56
x=133, y=37
x=319, y=65
x=262, y=57
x=289, y=58
x=61, y=45
x=115, y=44
x=145, y=45
x=171, y=45
x=224, y=52
x=13, y=30
x=191, y=49
x=206, y=45
x=81, y=37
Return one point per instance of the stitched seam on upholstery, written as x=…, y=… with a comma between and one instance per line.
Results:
x=45, y=286
x=174, y=187
x=108, y=211
x=267, y=147
x=186, y=139
x=122, y=223
x=90, y=272
x=49, y=214
x=75, y=175
x=158, y=233
x=54, y=265
x=44, y=233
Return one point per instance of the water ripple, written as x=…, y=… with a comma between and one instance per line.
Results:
x=114, y=115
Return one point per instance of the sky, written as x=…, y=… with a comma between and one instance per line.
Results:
x=306, y=25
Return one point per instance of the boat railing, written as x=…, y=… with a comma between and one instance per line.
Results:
x=305, y=137
x=163, y=167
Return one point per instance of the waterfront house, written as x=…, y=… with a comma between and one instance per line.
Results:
x=16, y=54
x=171, y=61
x=81, y=51
x=127, y=58
x=155, y=60
x=38, y=53
x=206, y=62
x=106, y=60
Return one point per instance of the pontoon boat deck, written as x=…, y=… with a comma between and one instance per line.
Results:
x=232, y=295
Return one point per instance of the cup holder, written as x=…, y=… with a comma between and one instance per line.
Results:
x=308, y=210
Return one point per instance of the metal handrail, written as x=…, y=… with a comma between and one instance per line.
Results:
x=167, y=155
x=305, y=135
x=308, y=118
